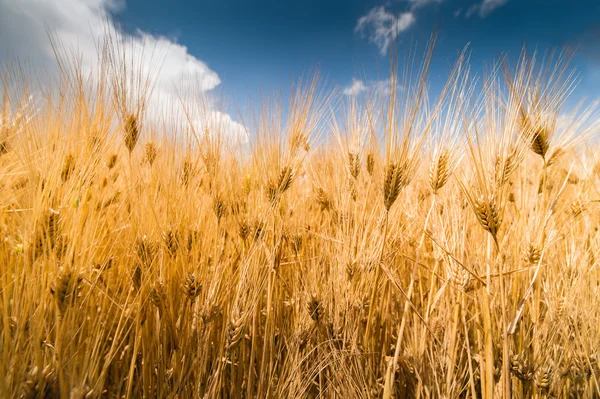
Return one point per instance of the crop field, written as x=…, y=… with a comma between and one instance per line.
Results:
x=404, y=244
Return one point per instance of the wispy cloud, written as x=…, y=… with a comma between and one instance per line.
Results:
x=357, y=87
x=382, y=27
x=81, y=25
x=378, y=87
x=490, y=5
x=485, y=8
x=422, y=3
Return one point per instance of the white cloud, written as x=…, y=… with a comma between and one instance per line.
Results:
x=485, y=8
x=357, y=87
x=422, y=3
x=490, y=5
x=382, y=27
x=382, y=87
x=379, y=87
x=219, y=122
x=472, y=10
x=79, y=25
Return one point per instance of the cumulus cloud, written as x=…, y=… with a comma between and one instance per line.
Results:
x=219, y=122
x=485, y=8
x=79, y=25
x=382, y=27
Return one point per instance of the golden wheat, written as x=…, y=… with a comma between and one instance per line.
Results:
x=279, y=268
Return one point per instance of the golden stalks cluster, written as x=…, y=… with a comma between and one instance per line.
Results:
x=419, y=247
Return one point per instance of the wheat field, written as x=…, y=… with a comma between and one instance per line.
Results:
x=401, y=245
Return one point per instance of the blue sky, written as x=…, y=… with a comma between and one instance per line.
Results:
x=239, y=48
x=256, y=45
